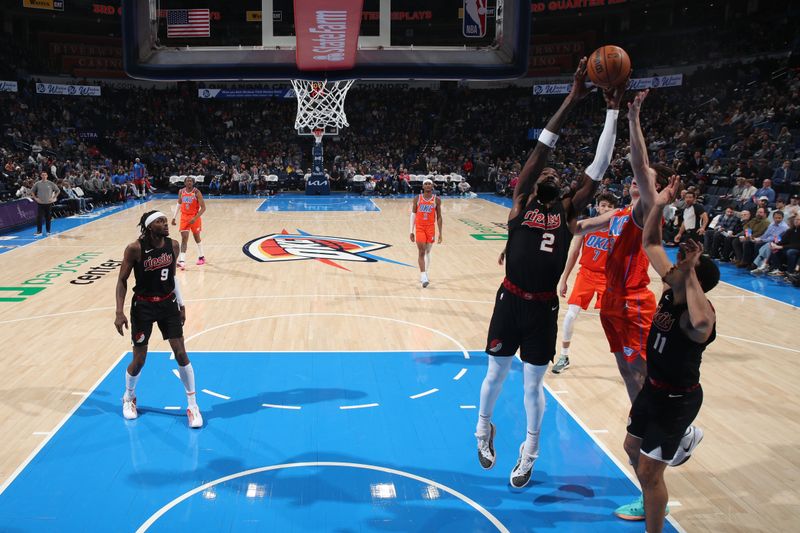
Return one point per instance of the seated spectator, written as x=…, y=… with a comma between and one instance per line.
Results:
x=786, y=250
x=784, y=175
x=793, y=208
x=726, y=225
x=750, y=246
x=765, y=190
x=464, y=188
x=369, y=186
x=769, y=239
x=743, y=246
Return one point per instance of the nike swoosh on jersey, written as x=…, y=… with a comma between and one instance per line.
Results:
x=148, y=251
x=675, y=395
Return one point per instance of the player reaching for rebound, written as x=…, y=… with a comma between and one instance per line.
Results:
x=591, y=278
x=192, y=207
x=540, y=226
x=426, y=215
x=660, y=433
x=156, y=299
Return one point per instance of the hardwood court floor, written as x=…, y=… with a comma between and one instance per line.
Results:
x=59, y=341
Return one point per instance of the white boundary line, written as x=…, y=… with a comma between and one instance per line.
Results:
x=276, y=406
x=218, y=395
x=608, y=453
x=362, y=406
x=759, y=295
x=426, y=393
x=460, y=374
x=185, y=496
x=55, y=430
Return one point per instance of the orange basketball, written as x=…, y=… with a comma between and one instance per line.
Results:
x=609, y=66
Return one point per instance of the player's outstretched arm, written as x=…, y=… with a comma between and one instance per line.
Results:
x=651, y=236
x=593, y=174
x=572, y=259
x=132, y=252
x=701, y=314
x=547, y=141
x=640, y=162
x=588, y=225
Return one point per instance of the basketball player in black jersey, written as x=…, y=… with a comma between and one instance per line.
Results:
x=156, y=299
x=540, y=228
x=660, y=433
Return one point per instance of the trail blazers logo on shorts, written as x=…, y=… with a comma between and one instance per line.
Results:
x=300, y=246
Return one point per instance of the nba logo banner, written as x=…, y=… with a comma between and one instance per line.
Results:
x=475, y=13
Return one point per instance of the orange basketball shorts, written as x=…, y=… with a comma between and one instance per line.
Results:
x=626, y=321
x=194, y=228
x=425, y=234
x=587, y=284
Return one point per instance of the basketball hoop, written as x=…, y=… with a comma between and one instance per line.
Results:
x=320, y=104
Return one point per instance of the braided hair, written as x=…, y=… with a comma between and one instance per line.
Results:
x=145, y=235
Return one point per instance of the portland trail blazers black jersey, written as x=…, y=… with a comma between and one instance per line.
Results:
x=538, y=245
x=672, y=357
x=155, y=271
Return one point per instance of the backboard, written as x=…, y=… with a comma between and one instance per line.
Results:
x=337, y=39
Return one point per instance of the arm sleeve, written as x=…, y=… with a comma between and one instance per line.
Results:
x=605, y=147
x=413, y=221
x=178, y=293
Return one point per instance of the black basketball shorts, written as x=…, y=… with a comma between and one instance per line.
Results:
x=530, y=326
x=166, y=314
x=660, y=418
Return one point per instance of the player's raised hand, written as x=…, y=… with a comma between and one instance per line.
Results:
x=579, y=88
x=635, y=107
x=691, y=251
x=668, y=194
x=613, y=95
x=120, y=322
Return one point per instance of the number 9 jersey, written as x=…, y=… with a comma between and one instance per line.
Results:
x=155, y=270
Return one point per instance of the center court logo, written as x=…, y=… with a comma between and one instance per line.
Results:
x=300, y=246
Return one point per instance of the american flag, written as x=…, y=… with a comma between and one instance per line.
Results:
x=188, y=23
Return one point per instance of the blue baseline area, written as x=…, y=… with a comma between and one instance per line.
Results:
x=25, y=235
x=402, y=465
x=772, y=287
x=292, y=202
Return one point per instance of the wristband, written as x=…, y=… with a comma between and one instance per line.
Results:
x=548, y=138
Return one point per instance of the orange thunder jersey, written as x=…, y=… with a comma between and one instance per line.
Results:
x=595, y=251
x=627, y=264
x=189, y=204
x=426, y=211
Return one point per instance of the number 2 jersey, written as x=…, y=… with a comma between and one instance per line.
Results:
x=672, y=357
x=155, y=270
x=538, y=245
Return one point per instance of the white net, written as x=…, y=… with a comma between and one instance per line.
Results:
x=320, y=103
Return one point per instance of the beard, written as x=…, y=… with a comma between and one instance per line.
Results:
x=547, y=191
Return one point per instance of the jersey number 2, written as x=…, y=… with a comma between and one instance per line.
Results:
x=547, y=242
x=164, y=274
x=659, y=343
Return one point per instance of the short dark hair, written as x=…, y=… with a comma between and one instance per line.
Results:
x=778, y=213
x=607, y=197
x=663, y=174
x=707, y=273
x=689, y=191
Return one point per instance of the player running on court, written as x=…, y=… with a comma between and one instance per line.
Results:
x=540, y=226
x=426, y=215
x=591, y=278
x=192, y=207
x=660, y=433
x=156, y=299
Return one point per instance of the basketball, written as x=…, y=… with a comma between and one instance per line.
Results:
x=609, y=66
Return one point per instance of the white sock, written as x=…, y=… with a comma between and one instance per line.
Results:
x=200, y=249
x=130, y=385
x=534, y=405
x=182, y=256
x=569, y=326
x=186, y=374
x=496, y=374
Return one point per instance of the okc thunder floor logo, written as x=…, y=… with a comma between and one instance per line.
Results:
x=285, y=246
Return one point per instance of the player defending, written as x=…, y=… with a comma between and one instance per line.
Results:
x=192, y=207
x=540, y=226
x=426, y=214
x=591, y=278
x=660, y=433
x=156, y=298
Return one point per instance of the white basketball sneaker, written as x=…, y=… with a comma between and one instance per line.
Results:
x=689, y=442
x=195, y=418
x=521, y=474
x=129, y=409
x=423, y=278
x=486, y=453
